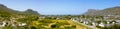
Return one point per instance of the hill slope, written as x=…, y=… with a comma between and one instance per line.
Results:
x=5, y=11
x=107, y=11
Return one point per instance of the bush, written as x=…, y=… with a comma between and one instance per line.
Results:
x=53, y=26
x=33, y=27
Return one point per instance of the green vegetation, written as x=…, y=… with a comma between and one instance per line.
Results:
x=55, y=24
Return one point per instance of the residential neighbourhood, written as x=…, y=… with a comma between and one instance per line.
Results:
x=103, y=22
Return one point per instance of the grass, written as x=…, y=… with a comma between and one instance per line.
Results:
x=57, y=24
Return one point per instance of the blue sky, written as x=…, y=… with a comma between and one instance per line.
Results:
x=60, y=7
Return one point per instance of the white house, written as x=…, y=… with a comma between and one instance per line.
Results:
x=22, y=24
x=94, y=24
x=102, y=25
x=2, y=24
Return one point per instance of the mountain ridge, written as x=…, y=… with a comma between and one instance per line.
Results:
x=4, y=10
x=107, y=11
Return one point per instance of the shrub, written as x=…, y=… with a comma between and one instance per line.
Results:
x=33, y=27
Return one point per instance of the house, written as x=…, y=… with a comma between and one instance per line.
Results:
x=101, y=24
x=2, y=24
x=94, y=24
x=22, y=24
x=118, y=21
x=85, y=22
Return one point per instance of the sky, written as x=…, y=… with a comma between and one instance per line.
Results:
x=60, y=7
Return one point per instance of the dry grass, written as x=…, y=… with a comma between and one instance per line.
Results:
x=62, y=24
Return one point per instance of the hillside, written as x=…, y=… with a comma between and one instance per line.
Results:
x=4, y=10
x=107, y=11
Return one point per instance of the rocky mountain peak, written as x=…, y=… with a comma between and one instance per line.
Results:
x=107, y=11
x=1, y=5
x=31, y=11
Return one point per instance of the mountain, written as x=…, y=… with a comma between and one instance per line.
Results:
x=5, y=11
x=91, y=12
x=107, y=11
x=30, y=11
